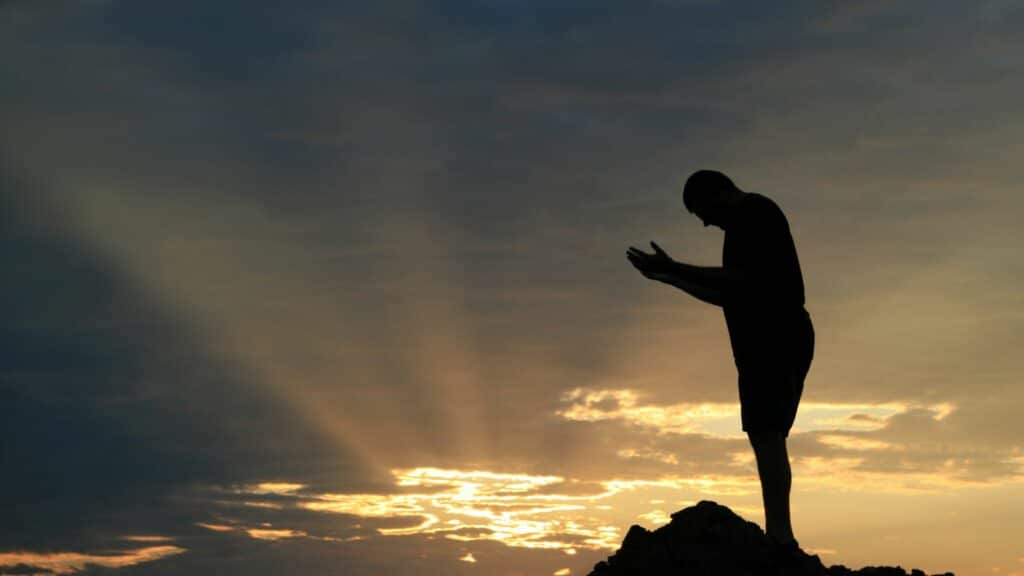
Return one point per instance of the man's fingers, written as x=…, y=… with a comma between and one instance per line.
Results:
x=657, y=249
x=640, y=264
x=638, y=257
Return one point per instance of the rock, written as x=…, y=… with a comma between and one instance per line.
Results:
x=711, y=540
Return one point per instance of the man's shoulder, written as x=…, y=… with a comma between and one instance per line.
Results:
x=759, y=210
x=760, y=202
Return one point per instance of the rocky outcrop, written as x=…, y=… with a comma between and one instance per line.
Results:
x=711, y=540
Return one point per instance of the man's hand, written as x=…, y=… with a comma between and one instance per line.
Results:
x=657, y=266
x=703, y=283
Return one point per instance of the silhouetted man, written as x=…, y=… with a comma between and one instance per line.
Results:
x=760, y=289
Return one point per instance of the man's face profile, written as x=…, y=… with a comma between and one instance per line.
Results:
x=707, y=209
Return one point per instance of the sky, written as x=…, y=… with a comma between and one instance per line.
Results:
x=341, y=287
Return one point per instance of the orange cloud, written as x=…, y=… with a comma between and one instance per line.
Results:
x=215, y=527
x=273, y=534
x=518, y=510
x=845, y=442
x=723, y=419
x=71, y=562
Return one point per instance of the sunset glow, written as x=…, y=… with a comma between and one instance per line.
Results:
x=352, y=288
x=722, y=419
x=479, y=505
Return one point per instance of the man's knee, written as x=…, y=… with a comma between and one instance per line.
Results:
x=766, y=438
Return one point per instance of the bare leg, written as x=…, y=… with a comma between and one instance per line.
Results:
x=776, y=481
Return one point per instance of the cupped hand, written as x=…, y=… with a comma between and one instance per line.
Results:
x=658, y=263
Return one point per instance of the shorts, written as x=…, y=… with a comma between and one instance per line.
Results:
x=771, y=384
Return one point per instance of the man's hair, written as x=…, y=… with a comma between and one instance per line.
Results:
x=702, y=184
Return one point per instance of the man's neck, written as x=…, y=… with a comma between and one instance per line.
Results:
x=733, y=205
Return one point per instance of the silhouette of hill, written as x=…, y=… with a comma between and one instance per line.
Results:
x=711, y=540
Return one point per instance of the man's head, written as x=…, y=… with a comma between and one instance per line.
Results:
x=710, y=195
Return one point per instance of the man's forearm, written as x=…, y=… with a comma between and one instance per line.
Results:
x=701, y=293
x=710, y=278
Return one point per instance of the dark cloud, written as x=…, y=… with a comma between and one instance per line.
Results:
x=25, y=569
x=111, y=403
x=398, y=555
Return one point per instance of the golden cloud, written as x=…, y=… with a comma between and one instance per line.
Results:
x=71, y=562
x=722, y=420
x=273, y=534
x=510, y=508
x=845, y=442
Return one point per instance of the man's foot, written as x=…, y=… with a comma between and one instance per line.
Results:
x=786, y=549
x=790, y=559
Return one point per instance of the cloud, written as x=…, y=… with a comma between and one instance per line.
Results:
x=274, y=534
x=720, y=420
x=100, y=377
x=470, y=505
x=72, y=562
x=921, y=441
x=892, y=446
x=146, y=538
x=215, y=527
x=25, y=569
x=854, y=443
x=516, y=510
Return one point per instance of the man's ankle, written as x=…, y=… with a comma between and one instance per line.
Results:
x=783, y=540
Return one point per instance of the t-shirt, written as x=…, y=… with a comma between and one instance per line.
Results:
x=763, y=311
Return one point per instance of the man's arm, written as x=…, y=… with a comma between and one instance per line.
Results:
x=706, y=283
x=711, y=278
x=702, y=293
